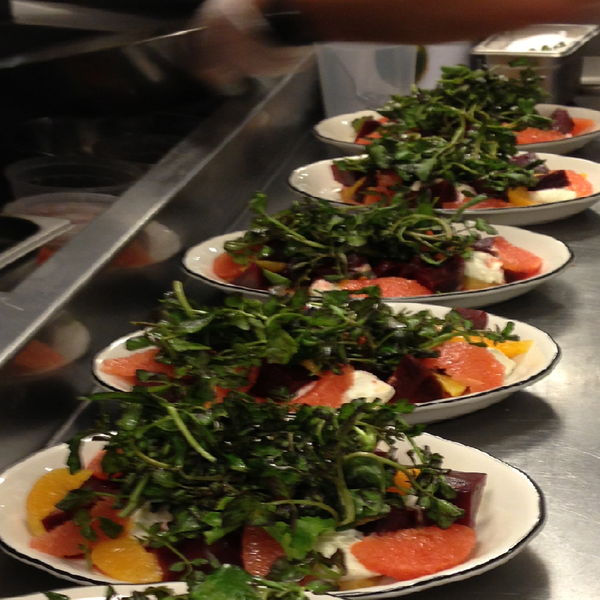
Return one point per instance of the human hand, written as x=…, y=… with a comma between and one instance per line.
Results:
x=233, y=43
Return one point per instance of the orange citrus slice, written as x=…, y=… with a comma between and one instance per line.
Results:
x=47, y=491
x=126, y=559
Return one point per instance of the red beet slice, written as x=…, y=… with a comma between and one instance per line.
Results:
x=414, y=382
x=273, y=377
x=367, y=127
x=346, y=178
x=448, y=277
x=469, y=487
x=397, y=518
x=56, y=518
x=556, y=179
x=443, y=191
x=562, y=121
x=252, y=278
x=479, y=318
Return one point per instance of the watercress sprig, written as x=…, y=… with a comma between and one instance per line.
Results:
x=221, y=344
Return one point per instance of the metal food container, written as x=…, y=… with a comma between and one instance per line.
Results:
x=555, y=51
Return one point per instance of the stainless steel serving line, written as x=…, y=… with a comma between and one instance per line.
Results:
x=200, y=189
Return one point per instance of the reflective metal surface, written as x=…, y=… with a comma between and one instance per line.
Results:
x=554, y=51
x=95, y=74
x=550, y=431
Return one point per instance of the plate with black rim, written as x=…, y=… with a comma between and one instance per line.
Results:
x=531, y=367
x=556, y=257
x=504, y=527
x=316, y=180
x=339, y=132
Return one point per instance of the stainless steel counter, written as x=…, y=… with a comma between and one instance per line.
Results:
x=549, y=431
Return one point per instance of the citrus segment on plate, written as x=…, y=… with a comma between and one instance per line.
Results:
x=329, y=389
x=47, y=492
x=539, y=355
x=473, y=366
x=127, y=560
x=317, y=180
x=503, y=526
x=518, y=261
x=555, y=256
x=412, y=553
x=65, y=540
x=259, y=551
x=137, y=361
x=339, y=130
x=390, y=287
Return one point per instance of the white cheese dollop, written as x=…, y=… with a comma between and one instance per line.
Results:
x=484, y=267
x=552, y=195
x=461, y=188
x=321, y=285
x=508, y=364
x=332, y=541
x=144, y=518
x=366, y=385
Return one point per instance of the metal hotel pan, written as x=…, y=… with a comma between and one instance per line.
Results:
x=554, y=51
x=103, y=75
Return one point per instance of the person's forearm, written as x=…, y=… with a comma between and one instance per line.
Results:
x=431, y=21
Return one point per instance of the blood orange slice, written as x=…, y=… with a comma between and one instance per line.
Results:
x=328, y=390
x=226, y=268
x=259, y=551
x=103, y=510
x=95, y=465
x=531, y=135
x=64, y=540
x=127, y=366
x=410, y=553
x=582, y=126
x=518, y=262
x=391, y=287
x=579, y=184
x=470, y=365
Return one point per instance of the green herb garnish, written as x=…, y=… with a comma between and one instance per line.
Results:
x=297, y=474
x=461, y=132
x=314, y=237
x=220, y=345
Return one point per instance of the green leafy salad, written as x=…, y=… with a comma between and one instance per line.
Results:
x=202, y=473
x=315, y=239
x=225, y=345
x=461, y=132
x=473, y=99
x=240, y=463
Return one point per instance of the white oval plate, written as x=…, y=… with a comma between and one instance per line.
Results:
x=198, y=261
x=568, y=144
x=316, y=181
x=531, y=367
x=504, y=527
x=98, y=592
x=338, y=131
